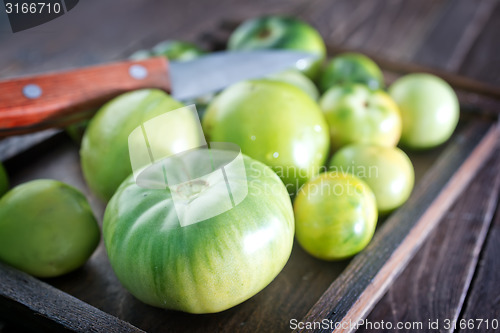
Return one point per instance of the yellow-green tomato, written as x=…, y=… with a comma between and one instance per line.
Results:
x=429, y=109
x=356, y=114
x=105, y=153
x=4, y=180
x=278, y=32
x=387, y=170
x=335, y=216
x=351, y=68
x=46, y=228
x=273, y=122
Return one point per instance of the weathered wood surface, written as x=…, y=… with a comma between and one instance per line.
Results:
x=483, y=299
x=446, y=34
x=22, y=296
x=435, y=285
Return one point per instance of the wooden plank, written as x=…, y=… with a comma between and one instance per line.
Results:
x=482, y=61
x=454, y=32
x=483, y=301
x=26, y=300
x=391, y=29
x=435, y=283
x=352, y=295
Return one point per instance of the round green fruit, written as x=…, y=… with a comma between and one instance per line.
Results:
x=335, y=216
x=351, y=68
x=208, y=266
x=4, y=180
x=171, y=49
x=276, y=32
x=429, y=109
x=46, y=228
x=387, y=170
x=177, y=50
x=273, y=122
x=104, y=152
x=296, y=78
x=357, y=114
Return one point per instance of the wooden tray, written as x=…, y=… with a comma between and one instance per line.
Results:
x=92, y=299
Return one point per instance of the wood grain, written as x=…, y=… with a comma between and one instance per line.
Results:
x=482, y=60
x=433, y=287
x=67, y=96
x=393, y=29
x=447, y=43
x=483, y=301
x=22, y=296
x=352, y=295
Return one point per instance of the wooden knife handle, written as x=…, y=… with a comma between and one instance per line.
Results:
x=33, y=103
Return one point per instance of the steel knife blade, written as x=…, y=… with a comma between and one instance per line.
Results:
x=32, y=103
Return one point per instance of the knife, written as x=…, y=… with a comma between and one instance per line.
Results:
x=34, y=103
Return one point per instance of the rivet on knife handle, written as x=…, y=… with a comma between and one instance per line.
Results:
x=32, y=103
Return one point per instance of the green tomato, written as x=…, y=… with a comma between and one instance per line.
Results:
x=104, y=152
x=335, y=216
x=273, y=122
x=4, y=180
x=177, y=50
x=276, y=32
x=387, y=170
x=429, y=109
x=46, y=228
x=207, y=266
x=351, y=68
x=172, y=49
x=141, y=55
x=296, y=78
x=75, y=131
x=357, y=114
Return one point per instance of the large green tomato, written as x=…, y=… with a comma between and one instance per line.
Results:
x=273, y=122
x=46, y=228
x=357, y=114
x=276, y=32
x=387, y=170
x=351, y=68
x=207, y=266
x=104, y=151
x=335, y=216
x=4, y=180
x=297, y=79
x=429, y=109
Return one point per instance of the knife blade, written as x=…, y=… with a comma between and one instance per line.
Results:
x=38, y=102
x=220, y=69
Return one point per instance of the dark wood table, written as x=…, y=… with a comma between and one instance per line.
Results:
x=456, y=273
